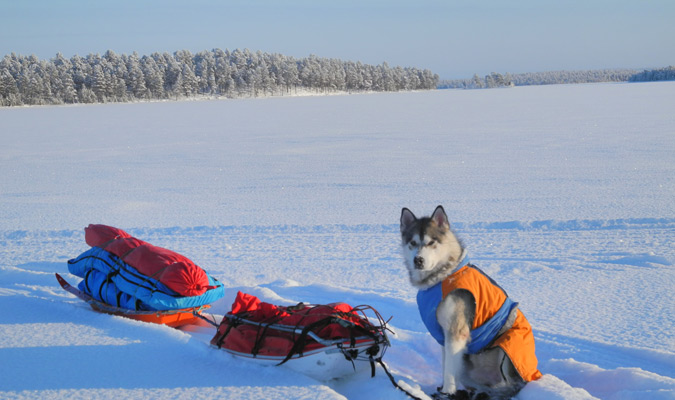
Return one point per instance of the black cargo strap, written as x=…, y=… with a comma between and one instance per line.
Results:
x=301, y=341
x=232, y=324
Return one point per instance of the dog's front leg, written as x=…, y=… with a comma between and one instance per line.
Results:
x=451, y=317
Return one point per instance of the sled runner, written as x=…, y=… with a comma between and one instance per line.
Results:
x=172, y=318
x=321, y=341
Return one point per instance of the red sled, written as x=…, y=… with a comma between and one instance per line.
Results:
x=321, y=341
x=172, y=318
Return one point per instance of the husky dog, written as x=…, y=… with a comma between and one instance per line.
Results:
x=480, y=333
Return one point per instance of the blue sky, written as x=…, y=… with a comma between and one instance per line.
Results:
x=453, y=38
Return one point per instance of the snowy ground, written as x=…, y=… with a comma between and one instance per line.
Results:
x=564, y=194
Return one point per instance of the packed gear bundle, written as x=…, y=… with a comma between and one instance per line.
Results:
x=132, y=274
x=323, y=336
x=127, y=276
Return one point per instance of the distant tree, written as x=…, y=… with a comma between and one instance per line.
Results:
x=61, y=80
x=205, y=71
x=477, y=82
x=80, y=71
x=188, y=82
x=33, y=84
x=154, y=77
x=9, y=90
x=115, y=69
x=87, y=96
x=135, y=78
x=224, y=83
x=508, y=80
x=100, y=84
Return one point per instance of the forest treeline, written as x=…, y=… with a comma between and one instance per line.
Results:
x=495, y=80
x=661, y=74
x=27, y=80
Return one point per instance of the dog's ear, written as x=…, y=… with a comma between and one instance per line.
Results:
x=440, y=217
x=407, y=218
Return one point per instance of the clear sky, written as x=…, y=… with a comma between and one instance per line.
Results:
x=453, y=38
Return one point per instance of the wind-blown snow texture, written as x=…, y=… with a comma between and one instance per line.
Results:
x=564, y=194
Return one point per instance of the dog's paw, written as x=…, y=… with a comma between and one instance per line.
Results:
x=458, y=395
x=461, y=395
x=441, y=395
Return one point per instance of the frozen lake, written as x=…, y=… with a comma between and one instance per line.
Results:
x=563, y=194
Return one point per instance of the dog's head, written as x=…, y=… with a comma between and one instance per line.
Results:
x=429, y=246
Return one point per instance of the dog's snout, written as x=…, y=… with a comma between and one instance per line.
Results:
x=419, y=262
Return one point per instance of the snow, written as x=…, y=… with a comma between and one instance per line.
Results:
x=563, y=194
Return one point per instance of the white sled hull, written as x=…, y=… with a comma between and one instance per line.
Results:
x=321, y=364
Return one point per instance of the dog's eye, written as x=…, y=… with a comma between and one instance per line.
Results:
x=413, y=243
x=431, y=243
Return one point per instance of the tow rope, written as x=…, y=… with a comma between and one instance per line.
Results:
x=393, y=381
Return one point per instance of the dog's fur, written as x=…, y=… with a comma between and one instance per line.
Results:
x=432, y=252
